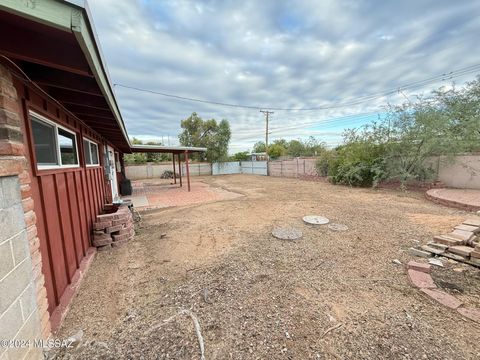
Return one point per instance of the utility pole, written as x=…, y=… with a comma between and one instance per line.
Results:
x=266, y=113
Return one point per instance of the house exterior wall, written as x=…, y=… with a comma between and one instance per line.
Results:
x=59, y=206
x=66, y=201
x=23, y=301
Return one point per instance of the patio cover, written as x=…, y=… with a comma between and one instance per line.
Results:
x=166, y=149
x=174, y=150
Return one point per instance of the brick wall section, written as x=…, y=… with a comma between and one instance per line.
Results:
x=13, y=165
x=113, y=229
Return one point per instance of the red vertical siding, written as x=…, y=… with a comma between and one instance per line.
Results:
x=67, y=202
x=54, y=236
x=75, y=217
x=66, y=225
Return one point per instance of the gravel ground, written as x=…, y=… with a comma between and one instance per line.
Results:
x=328, y=295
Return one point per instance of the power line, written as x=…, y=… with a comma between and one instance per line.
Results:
x=342, y=121
x=355, y=101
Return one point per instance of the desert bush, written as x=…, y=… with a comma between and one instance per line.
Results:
x=167, y=174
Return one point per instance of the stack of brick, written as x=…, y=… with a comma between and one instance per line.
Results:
x=113, y=229
x=462, y=244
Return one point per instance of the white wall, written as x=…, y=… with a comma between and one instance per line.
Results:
x=154, y=171
x=463, y=172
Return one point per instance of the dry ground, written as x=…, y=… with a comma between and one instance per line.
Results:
x=261, y=298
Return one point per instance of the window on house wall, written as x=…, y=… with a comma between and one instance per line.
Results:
x=117, y=162
x=54, y=145
x=90, y=150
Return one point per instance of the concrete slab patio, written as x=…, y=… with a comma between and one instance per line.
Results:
x=163, y=193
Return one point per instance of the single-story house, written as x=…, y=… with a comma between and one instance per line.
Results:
x=62, y=140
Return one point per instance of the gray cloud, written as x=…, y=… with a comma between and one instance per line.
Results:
x=276, y=54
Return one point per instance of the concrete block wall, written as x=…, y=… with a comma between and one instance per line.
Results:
x=23, y=297
x=154, y=171
x=294, y=168
x=19, y=317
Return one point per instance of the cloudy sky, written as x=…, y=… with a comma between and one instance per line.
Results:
x=328, y=54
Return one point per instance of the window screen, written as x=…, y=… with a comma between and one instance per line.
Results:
x=45, y=144
x=86, y=152
x=68, y=147
x=94, y=152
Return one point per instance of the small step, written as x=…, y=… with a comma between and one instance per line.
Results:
x=461, y=250
x=447, y=240
x=432, y=250
x=468, y=228
x=472, y=222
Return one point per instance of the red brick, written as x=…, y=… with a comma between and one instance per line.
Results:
x=426, y=268
x=462, y=235
x=102, y=225
x=9, y=118
x=447, y=240
x=30, y=218
x=461, y=250
x=443, y=298
x=101, y=236
x=124, y=230
x=34, y=244
x=120, y=237
x=9, y=104
x=470, y=313
x=105, y=217
x=112, y=229
x=26, y=191
x=102, y=241
x=27, y=205
x=24, y=177
x=470, y=228
x=36, y=258
x=103, y=248
x=119, y=222
x=5, y=73
x=119, y=243
x=421, y=279
x=7, y=89
x=472, y=222
x=121, y=216
x=11, y=148
x=31, y=232
x=11, y=165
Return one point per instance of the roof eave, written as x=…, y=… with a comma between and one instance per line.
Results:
x=73, y=16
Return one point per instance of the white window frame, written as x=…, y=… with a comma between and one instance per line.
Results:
x=90, y=151
x=41, y=118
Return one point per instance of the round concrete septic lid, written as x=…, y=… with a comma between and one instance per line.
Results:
x=337, y=227
x=315, y=220
x=286, y=233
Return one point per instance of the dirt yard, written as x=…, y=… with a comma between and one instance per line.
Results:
x=257, y=297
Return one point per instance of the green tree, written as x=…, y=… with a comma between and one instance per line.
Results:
x=206, y=133
x=240, y=156
x=295, y=148
x=259, y=147
x=398, y=147
x=276, y=150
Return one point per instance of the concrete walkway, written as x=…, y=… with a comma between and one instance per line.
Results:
x=466, y=199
